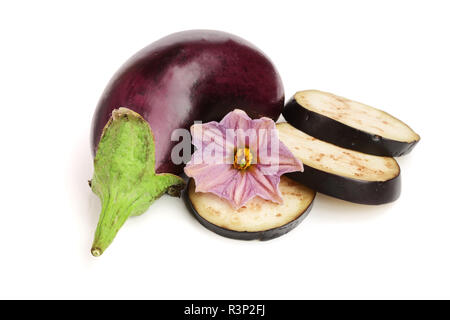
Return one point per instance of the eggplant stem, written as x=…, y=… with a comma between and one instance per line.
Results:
x=96, y=252
x=124, y=175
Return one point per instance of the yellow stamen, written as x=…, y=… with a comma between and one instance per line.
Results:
x=242, y=158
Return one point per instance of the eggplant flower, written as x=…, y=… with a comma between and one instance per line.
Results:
x=239, y=158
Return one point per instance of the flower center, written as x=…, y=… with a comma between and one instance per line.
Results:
x=242, y=158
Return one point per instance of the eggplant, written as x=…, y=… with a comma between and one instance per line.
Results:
x=187, y=76
x=342, y=173
x=191, y=75
x=259, y=219
x=349, y=124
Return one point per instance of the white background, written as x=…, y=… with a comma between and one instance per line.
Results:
x=55, y=60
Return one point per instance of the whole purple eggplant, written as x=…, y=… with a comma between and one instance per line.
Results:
x=187, y=76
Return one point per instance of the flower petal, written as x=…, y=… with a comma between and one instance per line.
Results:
x=274, y=158
x=238, y=128
x=237, y=119
x=287, y=161
x=228, y=183
x=265, y=186
x=210, y=178
x=212, y=146
x=281, y=162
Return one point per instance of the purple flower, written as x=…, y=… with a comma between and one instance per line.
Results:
x=239, y=158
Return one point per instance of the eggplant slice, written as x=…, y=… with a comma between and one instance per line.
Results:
x=349, y=124
x=342, y=173
x=259, y=219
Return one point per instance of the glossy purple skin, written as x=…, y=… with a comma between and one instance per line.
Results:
x=187, y=76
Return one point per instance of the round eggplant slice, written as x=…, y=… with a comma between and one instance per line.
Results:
x=259, y=219
x=349, y=124
x=342, y=173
